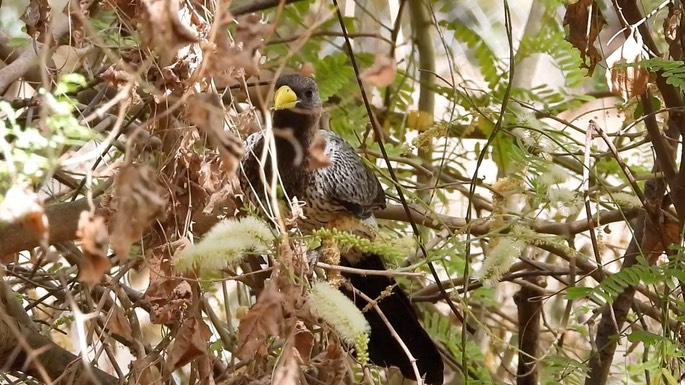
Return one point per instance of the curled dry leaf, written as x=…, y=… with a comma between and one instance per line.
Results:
x=317, y=154
x=241, y=54
x=37, y=17
x=261, y=322
x=190, y=342
x=288, y=372
x=331, y=365
x=145, y=371
x=578, y=17
x=22, y=205
x=165, y=31
x=168, y=295
x=382, y=73
x=627, y=81
x=207, y=113
x=117, y=322
x=94, y=242
x=139, y=201
x=117, y=76
x=128, y=10
x=304, y=344
x=653, y=241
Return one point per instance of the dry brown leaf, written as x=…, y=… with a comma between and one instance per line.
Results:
x=140, y=200
x=190, y=342
x=382, y=73
x=68, y=59
x=117, y=76
x=117, y=322
x=37, y=17
x=317, y=154
x=94, y=242
x=287, y=373
x=653, y=241
x=307, y=69
x=331, y=365
x=145, y=371
x=127, y=10
x=167, y=294
x=578, y=18
x=261, y=322
x=165, y=31
x=242, y=53
x=22, y=205
x=628, y=81
x=304, y=344
x=672, y=31
x=207, y=113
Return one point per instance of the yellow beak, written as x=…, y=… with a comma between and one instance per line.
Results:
x=284, y=98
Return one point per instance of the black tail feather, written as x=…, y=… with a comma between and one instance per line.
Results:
x=384, y=350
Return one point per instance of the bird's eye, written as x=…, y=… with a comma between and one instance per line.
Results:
x=308, y=94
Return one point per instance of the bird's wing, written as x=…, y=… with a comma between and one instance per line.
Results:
x=347, y=180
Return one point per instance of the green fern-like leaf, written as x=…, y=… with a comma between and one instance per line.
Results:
x=333, y=73
x=615, y=284
x=485, y=57
x=672, y=70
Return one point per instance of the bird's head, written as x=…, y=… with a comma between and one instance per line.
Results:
x=297, y=93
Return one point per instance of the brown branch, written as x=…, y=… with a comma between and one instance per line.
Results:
x=24, y=349
x=484, y=226
x=62, y=222
x=259, y=5
x=529, y=304
x=28, y=59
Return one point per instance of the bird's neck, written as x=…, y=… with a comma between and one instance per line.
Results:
x=294, y=129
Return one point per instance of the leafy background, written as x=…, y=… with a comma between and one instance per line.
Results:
x=537, y=144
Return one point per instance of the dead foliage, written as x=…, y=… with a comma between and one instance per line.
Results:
x=261, y=322
x=138, y=200
x=585, y=21
x=625, y=77
x=94, y=242
x=168, y=295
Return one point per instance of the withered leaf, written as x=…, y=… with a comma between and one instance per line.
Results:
x=579, y=18
x=165, y=32
x=117, y=322
x=287, y=373
x=242, y=53
x=304, y=343
x=167, y=294
x=37, y=17
x=22, y=205
x=627, y=81
x=207, y=113
x=260, y=322
x=653, y=241
x=139, y=201
x=317, y=153
x=94, y=242
x=144, y=371
x=190, y=343
x=382, y=73
x=331, y=365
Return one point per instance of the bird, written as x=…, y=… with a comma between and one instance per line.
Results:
x=340, y=188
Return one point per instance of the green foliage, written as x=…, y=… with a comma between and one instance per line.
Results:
x=616, y=283
x=550, y=40
x=31, y=152
x=485, y=58
x=443, y=329
x=560, y=369
x=672, y=70
x=333, y=73
x=347, y=240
